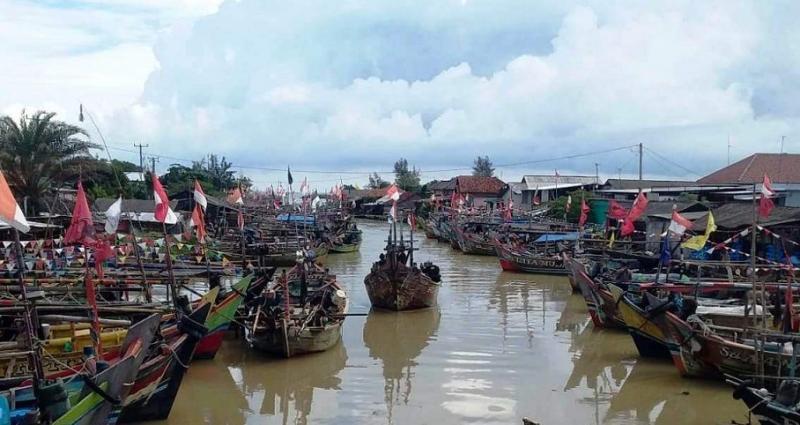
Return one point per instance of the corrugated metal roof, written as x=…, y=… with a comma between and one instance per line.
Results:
x=546, y=182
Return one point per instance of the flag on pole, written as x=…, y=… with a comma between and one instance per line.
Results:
x=638, y=208
x=679, y=224
x=81, y=226
x=412, y=220
x=113, y=214
x=393, y=192
x=584, y=213
x=393, y=212
x=163, y=213
x=765, y=204
x=304, y=186
x=616, y=211
x=699, y=241
x=199, y=220
x=10, y=212
x=200, y=196
x=289, y=175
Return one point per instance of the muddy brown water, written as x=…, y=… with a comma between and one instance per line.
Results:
x=500, y=346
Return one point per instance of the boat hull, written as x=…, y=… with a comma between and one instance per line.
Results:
x=646, y=335
x=520, y=263
x=413, y=290
x=293, y=342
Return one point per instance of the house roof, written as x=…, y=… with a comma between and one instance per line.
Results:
x=737, y=215
x=442, y=184
x=781, y=167
x=664, y=208
x=547, y=182
x=479, y=184
x=645, y=184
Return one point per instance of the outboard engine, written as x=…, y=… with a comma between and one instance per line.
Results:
x=787, y=393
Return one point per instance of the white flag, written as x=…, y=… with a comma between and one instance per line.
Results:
x=112, y=216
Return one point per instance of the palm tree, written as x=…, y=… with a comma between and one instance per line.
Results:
x=38, y=152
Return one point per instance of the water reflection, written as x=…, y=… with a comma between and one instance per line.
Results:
x=397, y=339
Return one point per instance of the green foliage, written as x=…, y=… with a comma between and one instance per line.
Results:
x=219, y=173
x=558, y=205
x=687, y=197
x=376, y=182
x=406, y=179
x=482, y=167
x=38, y=152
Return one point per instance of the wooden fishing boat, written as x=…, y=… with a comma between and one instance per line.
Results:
x=524, y=261
x=474, y=239
x=346, y=237
x=303, y=313
x=92, y=396
x=393, y=285
x=779, y=408
x=647, y=336
x=601, y=300
x=220, y=317
x=159, y=378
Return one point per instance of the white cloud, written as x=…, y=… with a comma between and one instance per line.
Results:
x=357, y=84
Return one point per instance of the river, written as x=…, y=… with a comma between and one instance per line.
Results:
x=500, y=346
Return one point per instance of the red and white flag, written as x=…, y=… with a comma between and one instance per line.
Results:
x=81, y=226
x=10, y=213
x=393, y=211
x=200, y=196
x=412, y=220
x=393, y=192
x=765, y=204
x=163, y=213
x=679, y=224
x=304, y=186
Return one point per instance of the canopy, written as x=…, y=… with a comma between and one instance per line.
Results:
x=297, y=218
x=555, y=237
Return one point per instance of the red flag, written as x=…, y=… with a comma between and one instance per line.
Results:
x=199, y=220
x=81, y=227
x=163, y=213
x=616, y=211
x=638, y=208
x=412, y=220
x=584, y=213
x=765, y=204
x=199, y=195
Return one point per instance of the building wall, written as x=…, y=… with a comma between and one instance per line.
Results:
x=792, y=198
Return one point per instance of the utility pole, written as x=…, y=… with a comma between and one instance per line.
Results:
x=141, y=159
x=596, y=175
x=729, y=149
x=640, y=162
x=153, y=161
x=783, y=139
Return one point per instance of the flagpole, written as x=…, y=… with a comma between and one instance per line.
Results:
x=31, y=317
x=171, y=273
x=148, y=295
x=91, y=298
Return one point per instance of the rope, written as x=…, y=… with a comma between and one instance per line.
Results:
x=175, y=356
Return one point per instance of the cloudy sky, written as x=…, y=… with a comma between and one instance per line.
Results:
x=350, y=86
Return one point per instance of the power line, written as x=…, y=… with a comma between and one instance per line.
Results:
x=667, y=160
x=366, y=173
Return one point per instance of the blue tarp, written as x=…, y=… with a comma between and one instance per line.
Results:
x=297, y=218
x=555, y=237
